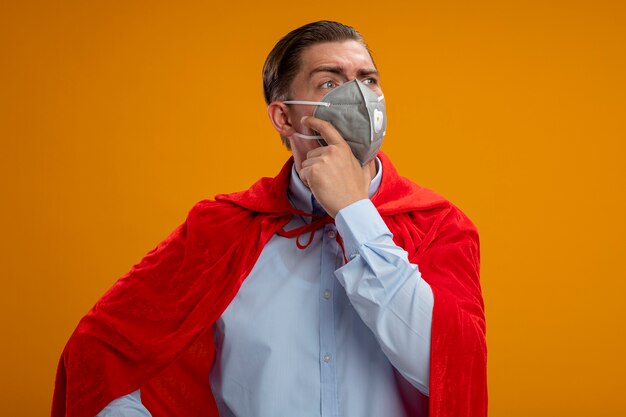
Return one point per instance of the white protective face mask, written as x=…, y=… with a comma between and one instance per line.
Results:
x=357, y=113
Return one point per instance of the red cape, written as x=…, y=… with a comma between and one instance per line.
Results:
x=152, y=329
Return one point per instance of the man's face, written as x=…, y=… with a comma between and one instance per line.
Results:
x=325, y=66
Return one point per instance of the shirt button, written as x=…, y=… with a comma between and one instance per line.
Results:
x=327, y=294
x=328, y=357
x=331, y=234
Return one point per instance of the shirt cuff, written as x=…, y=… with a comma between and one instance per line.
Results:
x=358, y=224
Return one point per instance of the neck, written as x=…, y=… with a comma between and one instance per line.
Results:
x=372, y=167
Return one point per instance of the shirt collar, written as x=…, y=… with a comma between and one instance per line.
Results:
x=300, y=196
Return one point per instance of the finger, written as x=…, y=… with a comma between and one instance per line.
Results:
x=304, y=176
x=314, y=153
x=309, y=161
x=326, y=129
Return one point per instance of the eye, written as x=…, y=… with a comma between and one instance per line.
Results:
x=328, y=84
x=371, y=81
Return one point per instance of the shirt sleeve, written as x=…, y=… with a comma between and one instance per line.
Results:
x=387, y=291
x=126, y=406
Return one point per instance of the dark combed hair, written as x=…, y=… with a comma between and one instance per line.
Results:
x=283, y=62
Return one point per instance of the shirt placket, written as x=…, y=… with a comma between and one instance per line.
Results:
x=328, y=383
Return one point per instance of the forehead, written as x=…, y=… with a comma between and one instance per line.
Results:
x=350, y=55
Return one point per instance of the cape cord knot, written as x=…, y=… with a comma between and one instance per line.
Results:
x=311, y=228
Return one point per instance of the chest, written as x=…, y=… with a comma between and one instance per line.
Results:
x=290, y=343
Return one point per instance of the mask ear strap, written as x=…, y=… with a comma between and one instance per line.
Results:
x=308, y=103
x=307, y=137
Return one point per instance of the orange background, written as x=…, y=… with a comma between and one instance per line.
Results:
x=117, y=116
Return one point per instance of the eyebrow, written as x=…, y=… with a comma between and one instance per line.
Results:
x=363, y=72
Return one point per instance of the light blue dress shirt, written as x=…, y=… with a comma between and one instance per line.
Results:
x=307, y=335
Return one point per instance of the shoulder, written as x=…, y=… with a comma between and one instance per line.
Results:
x=424, y=218
x=211, y=210
x=210, y=218
x=448, y=224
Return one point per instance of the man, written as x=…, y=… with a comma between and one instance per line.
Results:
x=337, y=288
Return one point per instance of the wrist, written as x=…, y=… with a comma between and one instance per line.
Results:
x=333, y=211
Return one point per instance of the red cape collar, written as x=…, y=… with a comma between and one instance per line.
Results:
x=395, y=195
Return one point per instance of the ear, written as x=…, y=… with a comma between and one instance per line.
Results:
x=280, y=118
